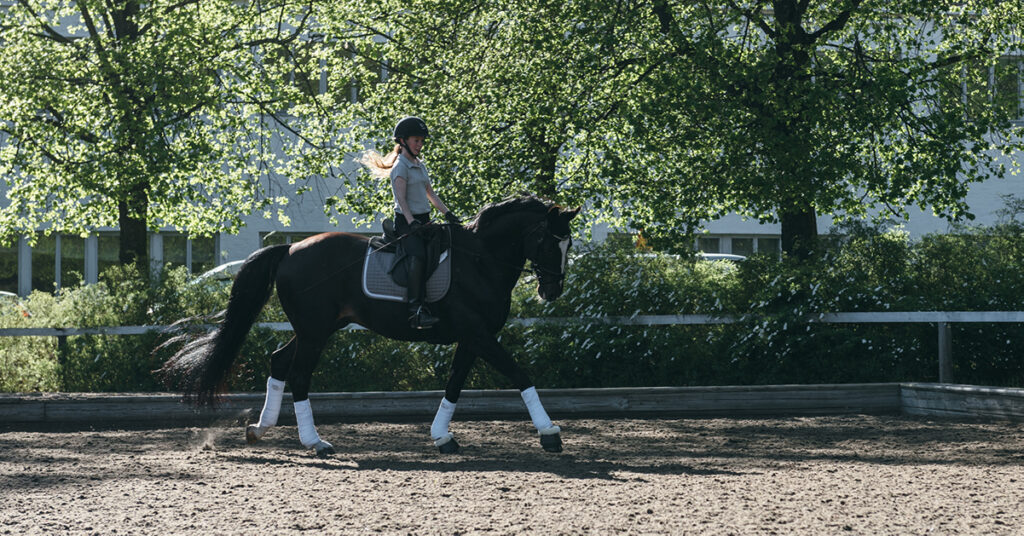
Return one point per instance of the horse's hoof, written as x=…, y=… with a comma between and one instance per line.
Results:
x=253, y=433
x=450, y=447
x=447, y=444
x=551, y=439
x=324, y=449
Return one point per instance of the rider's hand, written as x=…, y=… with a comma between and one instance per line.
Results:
x=415, y=226
x=450, y=217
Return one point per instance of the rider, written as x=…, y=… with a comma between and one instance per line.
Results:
x=414, y=195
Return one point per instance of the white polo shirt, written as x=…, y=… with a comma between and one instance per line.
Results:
x=416, y=181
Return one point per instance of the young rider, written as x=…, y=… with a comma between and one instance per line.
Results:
x=414, y=196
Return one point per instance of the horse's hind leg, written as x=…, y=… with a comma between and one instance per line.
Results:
x=307, y=354
x=280, y=363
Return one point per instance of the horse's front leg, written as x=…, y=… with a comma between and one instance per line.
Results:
x=443, y=439
x=495, y=354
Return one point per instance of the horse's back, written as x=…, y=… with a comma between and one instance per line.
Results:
x=321, y=261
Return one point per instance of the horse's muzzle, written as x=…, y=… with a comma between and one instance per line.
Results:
x=549, y=291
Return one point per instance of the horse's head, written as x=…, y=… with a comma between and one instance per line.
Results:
x=547, y=247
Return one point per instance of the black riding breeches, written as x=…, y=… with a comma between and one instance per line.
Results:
x=412, y=244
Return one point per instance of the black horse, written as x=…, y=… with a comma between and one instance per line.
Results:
x=319, y=286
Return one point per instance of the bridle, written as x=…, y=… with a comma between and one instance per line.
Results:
x=544, y=274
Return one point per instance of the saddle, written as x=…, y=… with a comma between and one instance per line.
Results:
x=385, y=270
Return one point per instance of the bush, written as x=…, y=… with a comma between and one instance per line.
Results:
x=861, y=269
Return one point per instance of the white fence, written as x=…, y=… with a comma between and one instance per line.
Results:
x=942, y=319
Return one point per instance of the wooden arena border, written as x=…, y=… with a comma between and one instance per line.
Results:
x=921, y=399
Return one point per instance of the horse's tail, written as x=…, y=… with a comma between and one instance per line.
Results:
x=201, y=366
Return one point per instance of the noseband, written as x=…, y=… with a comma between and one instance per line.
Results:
x=543, y=273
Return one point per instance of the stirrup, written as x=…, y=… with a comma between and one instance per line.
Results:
x=422, y=319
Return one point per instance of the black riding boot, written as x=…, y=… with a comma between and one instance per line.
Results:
x=419, y=315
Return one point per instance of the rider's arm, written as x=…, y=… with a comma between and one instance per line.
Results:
x=435, y=200
x=398, y=186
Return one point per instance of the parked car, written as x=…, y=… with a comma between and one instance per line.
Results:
x=14, y=300
x=224, y=272
x=722, y=257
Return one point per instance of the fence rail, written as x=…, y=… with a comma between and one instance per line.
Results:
x=942, y=319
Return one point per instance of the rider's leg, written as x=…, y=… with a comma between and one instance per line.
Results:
x=415, y=249
x=419, y=316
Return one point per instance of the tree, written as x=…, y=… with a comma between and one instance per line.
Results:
x=665, y=114
x=841, y=107
x=517, y=95
x=137, y=114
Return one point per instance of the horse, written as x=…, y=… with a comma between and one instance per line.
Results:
x=318, y=283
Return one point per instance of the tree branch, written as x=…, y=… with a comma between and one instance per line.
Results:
x=837, y=23
x=754, y=17
x=48, y=31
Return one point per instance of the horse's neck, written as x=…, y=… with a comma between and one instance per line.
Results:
x=503, y=241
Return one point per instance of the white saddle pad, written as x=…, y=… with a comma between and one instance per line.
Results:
x=377, y=282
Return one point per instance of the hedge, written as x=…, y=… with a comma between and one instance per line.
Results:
x=859, y=269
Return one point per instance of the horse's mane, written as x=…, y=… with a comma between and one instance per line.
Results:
x=493, y=211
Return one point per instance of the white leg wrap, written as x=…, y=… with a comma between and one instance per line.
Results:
x=307, y=430
x=439, y=429
x=540, y=417
x=272, y=404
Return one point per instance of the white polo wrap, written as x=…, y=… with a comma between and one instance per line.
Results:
x=443, y=417
x=272, y=404
x=307, y=430
x=540, y=417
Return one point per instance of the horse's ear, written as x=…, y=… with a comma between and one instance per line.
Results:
x=571, y=213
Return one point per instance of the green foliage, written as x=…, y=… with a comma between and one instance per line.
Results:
x=863, y=269
x=143, y=112
x=659, y=115
x=665, y=114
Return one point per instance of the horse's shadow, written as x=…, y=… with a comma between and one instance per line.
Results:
x=616, y=460
x=565, y=466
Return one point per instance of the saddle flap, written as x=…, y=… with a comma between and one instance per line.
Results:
x=382, y=268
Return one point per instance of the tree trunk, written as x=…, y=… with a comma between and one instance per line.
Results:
x=799, y=232
x=131, y=217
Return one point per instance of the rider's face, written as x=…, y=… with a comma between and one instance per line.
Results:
x=415, y=144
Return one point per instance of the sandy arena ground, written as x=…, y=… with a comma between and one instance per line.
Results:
x=820, y=475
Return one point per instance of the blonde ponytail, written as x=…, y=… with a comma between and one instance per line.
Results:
x=380, y=166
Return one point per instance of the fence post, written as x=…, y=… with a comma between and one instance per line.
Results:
x=945, y=353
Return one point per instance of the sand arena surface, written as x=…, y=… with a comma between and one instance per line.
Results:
x=820, y=475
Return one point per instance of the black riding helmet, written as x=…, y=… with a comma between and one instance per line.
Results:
x=411, y=126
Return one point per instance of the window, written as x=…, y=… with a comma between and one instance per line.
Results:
x=9, y=268
x=740, y=245
x=709, y=245
x=1001, y=86
x=72, y=261
x=203, y=254
x=368, y=67
x=44, y=262
x=108, y=247
x=1007, y=80
x=175, y=250
x=198, y=254
x=769, y=245
x=743, y=246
